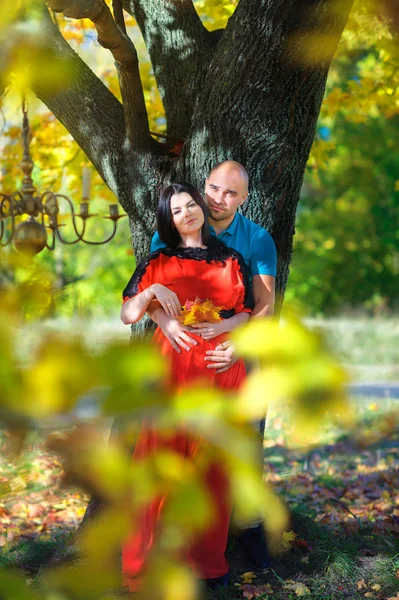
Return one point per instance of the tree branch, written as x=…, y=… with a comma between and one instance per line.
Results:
x=110, y=36
x=81, y=102
x=180, y=49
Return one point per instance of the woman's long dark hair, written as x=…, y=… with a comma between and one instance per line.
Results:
x=166, y=229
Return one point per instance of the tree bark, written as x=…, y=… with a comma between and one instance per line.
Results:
x=180, y=49
x=85, y=106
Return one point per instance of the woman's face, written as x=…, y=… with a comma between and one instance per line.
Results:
x=187, y=215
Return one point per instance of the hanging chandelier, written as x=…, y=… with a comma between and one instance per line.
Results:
x=43, y=211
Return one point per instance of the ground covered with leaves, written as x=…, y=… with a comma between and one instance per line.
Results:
x=343, y=494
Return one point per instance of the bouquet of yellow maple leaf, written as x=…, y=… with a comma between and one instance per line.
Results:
x=199, y=311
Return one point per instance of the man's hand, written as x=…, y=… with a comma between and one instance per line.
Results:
x=222, y=358
x=175, y=332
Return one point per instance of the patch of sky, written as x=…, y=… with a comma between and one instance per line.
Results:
x=325, y=133
x=89, y=37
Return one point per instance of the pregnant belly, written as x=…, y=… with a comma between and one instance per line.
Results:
x=189, y=366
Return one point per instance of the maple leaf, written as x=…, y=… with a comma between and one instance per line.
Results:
x=300, y=589
x=189, y=318
x=199, y=311
x=361, y=584
x=254, y=591
x=288, y=538
x=248, y=577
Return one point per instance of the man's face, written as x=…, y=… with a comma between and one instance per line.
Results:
x=225, y=190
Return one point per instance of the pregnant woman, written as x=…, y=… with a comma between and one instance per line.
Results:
x=192, y=266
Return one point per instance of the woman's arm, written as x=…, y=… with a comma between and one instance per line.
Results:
x=135, y=307
x=210, y=330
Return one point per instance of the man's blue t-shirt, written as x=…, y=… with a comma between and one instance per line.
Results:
x=252, y=241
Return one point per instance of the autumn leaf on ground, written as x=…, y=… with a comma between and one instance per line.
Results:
x=300, y=589
x=288, y=538
x=301, y=544
x=248, y=577
x=361, y=585
x=254, y=591
x=305, y=560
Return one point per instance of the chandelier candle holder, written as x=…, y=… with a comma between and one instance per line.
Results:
x=30, y=236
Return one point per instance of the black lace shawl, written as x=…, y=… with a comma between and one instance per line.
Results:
x=216, y=252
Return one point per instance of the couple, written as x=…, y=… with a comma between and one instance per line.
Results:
x=205, y=250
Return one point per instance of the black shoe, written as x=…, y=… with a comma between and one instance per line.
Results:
x=254, y=542
x=217, y=582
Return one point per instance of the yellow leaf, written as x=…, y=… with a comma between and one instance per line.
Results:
x=248, y=577
x=17, y=484
x=200, y=311
x=300, y=589
x=361, y=584
x=189, y=319
x=288, y=538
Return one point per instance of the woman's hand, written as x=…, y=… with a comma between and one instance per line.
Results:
x=175, y=332
x=167, y=299
x=209, y=331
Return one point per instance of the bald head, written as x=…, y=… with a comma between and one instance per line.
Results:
x=225, y=190
x=231, y=166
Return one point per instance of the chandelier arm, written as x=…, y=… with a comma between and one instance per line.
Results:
x=52, y=245
x=79, y=235
x=68, y=242
x=104, y=241
x=8, y=199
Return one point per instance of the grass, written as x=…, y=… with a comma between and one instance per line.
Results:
x=334, y=568
x=368, y=347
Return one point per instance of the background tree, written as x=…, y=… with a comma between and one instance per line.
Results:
x=346, y=248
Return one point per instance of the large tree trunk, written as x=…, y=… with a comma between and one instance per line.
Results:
x=245, y=93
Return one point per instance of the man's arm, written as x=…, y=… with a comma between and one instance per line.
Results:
x=263, y=265
x=263, y=291
x=223, y=357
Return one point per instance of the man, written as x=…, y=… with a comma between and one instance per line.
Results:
x=226, y=189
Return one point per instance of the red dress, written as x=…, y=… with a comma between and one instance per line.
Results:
x=217, y=273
